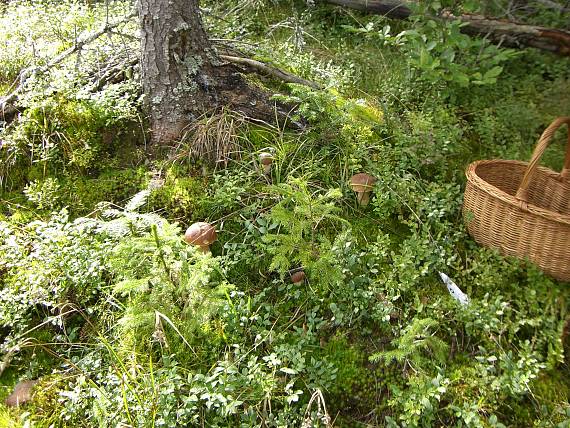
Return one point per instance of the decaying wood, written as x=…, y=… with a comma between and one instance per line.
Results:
x=507, y=33
x=115, y=72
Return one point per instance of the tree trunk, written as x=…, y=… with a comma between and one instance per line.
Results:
x=506, y=33
x=182, y=75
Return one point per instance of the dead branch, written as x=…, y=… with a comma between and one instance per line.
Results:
x=389, y=8
x=514, y=35
x=7, y=104
x=270, y=70
x=116, y=72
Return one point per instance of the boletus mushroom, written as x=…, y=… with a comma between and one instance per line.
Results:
x=266, y=159
x=201, y=234
x=22, y=393
x=298, y=277
x=362, y=184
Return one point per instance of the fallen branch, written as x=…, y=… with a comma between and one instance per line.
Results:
x=268, y=69
x=114, y=73
x=506, y=33
x=7, y=104
x=89, y=39
x=515, y=35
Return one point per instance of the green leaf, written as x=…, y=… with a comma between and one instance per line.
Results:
x=493, y=73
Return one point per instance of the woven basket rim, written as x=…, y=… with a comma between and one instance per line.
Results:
x=496, y=193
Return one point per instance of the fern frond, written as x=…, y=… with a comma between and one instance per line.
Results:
x=128, y=286
x=138, y=200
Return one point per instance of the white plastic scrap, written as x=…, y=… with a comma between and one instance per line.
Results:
x=454, y=290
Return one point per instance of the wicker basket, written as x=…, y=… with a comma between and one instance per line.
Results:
x=523, y=209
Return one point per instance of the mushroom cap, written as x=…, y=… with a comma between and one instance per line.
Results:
x=22, y=393
x=362, y=182
x=200, y=234
x=297, y=276
x=266, y=158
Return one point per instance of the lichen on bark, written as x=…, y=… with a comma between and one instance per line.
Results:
x=183, y=76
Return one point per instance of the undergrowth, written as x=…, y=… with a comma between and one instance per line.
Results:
x=127, y=325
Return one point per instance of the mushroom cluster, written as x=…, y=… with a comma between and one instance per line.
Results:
x=201, y=234
x=362, y=184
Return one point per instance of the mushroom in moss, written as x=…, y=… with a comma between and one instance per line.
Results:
x=362, y=184
x=201, y=234
x=22, y=393
x=298, y=277
x=266, y=159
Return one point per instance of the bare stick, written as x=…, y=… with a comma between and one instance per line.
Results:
x=272, y=71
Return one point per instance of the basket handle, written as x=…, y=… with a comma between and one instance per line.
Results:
x=543, y=142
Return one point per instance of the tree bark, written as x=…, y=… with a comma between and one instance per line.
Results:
x=506, y=33
x=182, y=75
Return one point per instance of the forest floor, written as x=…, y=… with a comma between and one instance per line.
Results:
x=124, y=324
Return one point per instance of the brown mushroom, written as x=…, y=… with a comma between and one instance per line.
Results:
x=202, y=235
x=22, y=393
x=362, y=184
x=298, y=277
x=266, y=159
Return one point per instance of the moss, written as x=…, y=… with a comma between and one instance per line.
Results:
x=79, y=194
x=349, y=362
x=551, y=389
x=180, y=198
x=46, y=406
x=116, y=186
x=356, y=386
x=67, y=137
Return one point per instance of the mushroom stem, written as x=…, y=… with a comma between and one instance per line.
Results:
x=363, y=198
x=267, y=169
x=204, y=249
